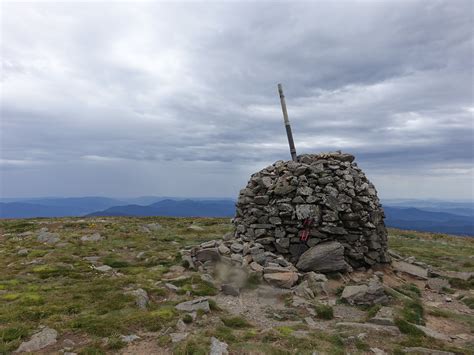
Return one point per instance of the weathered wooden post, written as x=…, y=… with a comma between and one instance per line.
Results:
x=287, y=123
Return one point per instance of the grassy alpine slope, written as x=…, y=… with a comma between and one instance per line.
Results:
x=63, y=285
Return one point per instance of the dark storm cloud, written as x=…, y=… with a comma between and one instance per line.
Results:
x=189, y=89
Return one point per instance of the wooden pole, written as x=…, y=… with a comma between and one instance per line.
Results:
x=287, y=123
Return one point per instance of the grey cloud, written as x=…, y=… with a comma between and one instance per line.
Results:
x=192, y=87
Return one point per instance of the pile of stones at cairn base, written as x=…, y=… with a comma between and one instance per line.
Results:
x=319, y=214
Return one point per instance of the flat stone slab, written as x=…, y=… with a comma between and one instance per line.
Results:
x=369, y=326
x=194, y=305
x=410, y=269
x=383, y=317
x=433, y=333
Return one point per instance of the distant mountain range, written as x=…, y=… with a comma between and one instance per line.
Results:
x=424, y=215
x=183, y=208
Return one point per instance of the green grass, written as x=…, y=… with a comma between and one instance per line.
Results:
x=413, y=312
x=324, y=312
x=469, y=301
x=408, y=328
x=235, y=322
x=55, y=286
x=439, y=250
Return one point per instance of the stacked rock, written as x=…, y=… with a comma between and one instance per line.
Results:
x=320, y=212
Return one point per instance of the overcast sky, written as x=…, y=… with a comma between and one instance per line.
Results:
x=127, y=99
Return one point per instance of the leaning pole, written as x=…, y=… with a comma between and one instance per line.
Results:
x=287, y=123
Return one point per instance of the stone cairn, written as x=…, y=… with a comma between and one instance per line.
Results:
x=318, y=214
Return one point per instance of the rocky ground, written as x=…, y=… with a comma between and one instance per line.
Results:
x=121, y=285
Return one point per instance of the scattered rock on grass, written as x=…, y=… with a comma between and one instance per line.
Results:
x=141, y=298
x=38, y=341
x=177, y=337
x=92, y=238
x=129, y=338
x=22, y=252
x=218, y=347
x=104, y=268
x=194, y=305
x=46, y=237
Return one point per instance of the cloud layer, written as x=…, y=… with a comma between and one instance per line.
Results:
x=180, y=99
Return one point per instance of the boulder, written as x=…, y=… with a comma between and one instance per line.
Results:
x=38, y=341
x=324, y=257
x=282, y=279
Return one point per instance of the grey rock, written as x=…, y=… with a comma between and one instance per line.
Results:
x=282, y=279
x=324, y=257
x=141, y=298
x=129, y=338
x=236, y=247
x=370, y=294
x=383, y=317
x=433, y=333
x=92, y=238
x=47, y=237
x=178, y=337
x=207, y=254
x=387, y=329
x=42, y=339
x=230, y=289
x=410, y=269
x=218, y=347
x=261, y=200
x=437, y=284
x=104, y=268
x=194, y=305
x=22, y=252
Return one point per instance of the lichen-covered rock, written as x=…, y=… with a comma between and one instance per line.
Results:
x=324, y=197
x=325, y=257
